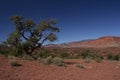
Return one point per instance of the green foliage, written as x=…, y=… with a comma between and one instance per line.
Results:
x=98, y=58
x=88, y=56
x=44, y=54
x=117, y=57
x=15, y=52
x=4, y=48
x=85, y=54
x=113, y=57
x=64, y=55
x=109, y=56
x=28, y=35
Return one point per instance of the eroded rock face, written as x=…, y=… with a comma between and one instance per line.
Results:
x=108, y=41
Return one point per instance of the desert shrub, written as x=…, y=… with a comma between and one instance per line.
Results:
x=98, y=59
x=4, y=49
x=47, y=60
x=113, y=57
x=9, y=50
x=4, y=52
x=43, y=54
x=17, y=52
x=117, y=57
x=15, y=63
x=57, y=61
x=64, y=55
x=88, y=54
x=26, y=57
x=85, y=54
x=87, y=60
x=109, y=56
x=53, y=61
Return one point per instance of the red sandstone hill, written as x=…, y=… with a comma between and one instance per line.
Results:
x=107, y=41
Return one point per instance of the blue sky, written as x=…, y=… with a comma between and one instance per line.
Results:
x=77, y=19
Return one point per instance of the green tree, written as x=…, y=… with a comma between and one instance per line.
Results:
x=28, y=35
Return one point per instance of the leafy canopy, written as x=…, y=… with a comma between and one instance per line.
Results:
x=28, y=36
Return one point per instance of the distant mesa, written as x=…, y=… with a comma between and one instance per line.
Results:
x=106, y=41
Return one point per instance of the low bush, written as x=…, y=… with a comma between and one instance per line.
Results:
x=57, y=61
x=43, y=54
x=4, y=49
x=85, y=54
x=47, y=60
x=99, y=59
x=87, y=60
x=53, y=61
x=88, y=56
x=64, y=55
x=113, y=57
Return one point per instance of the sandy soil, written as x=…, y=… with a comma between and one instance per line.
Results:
x=33, y=70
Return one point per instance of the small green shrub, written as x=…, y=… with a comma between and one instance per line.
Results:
x=16, y=52
x=85, y=54
x=113, y=57
x=109, y=56
x=43, y=54
x=4, y=49
x=64, y=55
x=117, y=57
x=99, y=59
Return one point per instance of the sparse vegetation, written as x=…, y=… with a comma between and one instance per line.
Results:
x=43, y=54
x=113, y=57
x=85, y=54
x=53, y=61
x=47, y=60
x=4, y=49
x=88, y=56
x=98, y=59
x=64, y=55
x=58, y=61
x=87, y=60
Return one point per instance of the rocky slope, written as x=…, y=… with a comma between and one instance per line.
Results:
x=107, y=41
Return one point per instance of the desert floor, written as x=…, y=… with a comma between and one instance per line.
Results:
x=33, y=70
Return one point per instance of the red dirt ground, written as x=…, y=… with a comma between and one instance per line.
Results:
x=33, y=70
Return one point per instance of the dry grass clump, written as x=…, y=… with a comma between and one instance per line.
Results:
x=53, y=61
x=57, y=61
